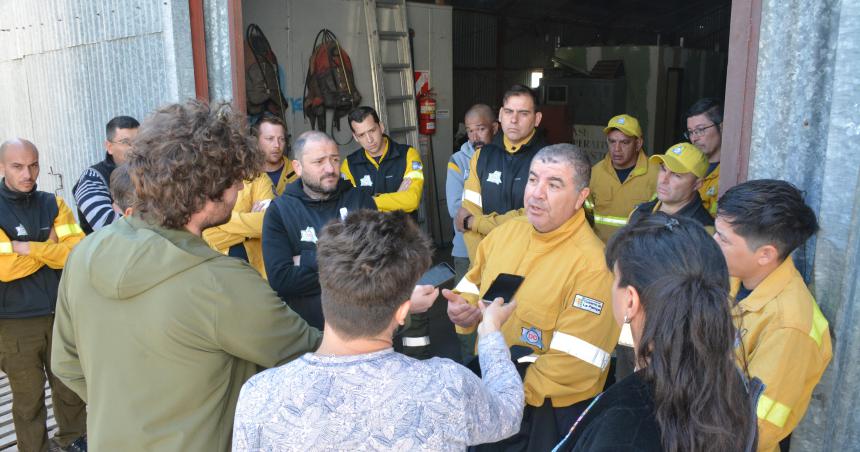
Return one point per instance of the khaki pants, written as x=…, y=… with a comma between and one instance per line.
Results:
x=25, y=357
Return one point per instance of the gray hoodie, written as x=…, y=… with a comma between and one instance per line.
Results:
x=157, y=332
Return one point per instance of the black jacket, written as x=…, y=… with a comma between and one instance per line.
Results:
x=504, y=175
x=388, y=177
x=28, y=217
x=290, y=228
x=694, y=209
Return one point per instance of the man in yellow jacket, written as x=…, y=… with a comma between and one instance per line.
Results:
x=622, y=180
x=37, y=233
x=390, y=172
x=241, y=236
x=704, y=121
x=783, y=338
x=563, y=314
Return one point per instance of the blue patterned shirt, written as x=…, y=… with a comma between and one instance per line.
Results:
x=380, y=401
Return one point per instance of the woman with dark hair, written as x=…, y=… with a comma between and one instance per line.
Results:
x=672, y=287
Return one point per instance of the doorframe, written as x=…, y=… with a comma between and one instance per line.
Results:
x=744, y=31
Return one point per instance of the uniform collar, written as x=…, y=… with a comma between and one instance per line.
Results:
x=545, y=241
x=514, y=147
x=14, y=195
x=386, y=145
x=639, y=169
x=769, y=288
x=715, y=174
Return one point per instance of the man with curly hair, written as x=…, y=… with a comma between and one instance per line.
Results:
x=154, y=329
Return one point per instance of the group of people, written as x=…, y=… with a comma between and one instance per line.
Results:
x=651, y=316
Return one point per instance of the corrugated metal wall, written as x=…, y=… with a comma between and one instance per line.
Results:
x=805, y=130
x=67, y=67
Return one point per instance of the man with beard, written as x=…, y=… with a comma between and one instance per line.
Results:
x=37, y=233
x=154, y=329
x=241, y=236
x=293, y=221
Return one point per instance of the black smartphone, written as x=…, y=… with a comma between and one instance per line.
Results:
x=437, y=275
x=505, y=285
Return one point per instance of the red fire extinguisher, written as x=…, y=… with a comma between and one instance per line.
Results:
x=427, y=115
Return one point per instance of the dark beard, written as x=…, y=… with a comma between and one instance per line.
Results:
x=318, y=189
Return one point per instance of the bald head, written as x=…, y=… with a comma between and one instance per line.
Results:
x=481, y=125
x=311, y=138
x=19, y=161
x=17, y=143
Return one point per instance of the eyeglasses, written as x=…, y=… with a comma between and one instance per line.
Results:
x=124, y=142
x=697, y=132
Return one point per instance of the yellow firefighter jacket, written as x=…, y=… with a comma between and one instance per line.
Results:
x=710, y=190
x=245, y=227
x=564, y=307
x=613, y=200
x=785, y=342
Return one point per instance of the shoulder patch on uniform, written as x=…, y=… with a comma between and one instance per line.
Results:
x=587, y=304
x=712, y=191
x=309, y=234
x=532, y=336
x=417, y=165
x=495, y=177
x=366, y=181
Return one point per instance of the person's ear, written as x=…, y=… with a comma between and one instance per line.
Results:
x=538, y=116
x=107, y=147
x=634, y=303
x=402, y=312
x=297, y=167
x=583, y=195
x=765, y=255
x=698, y=184
x=495, y=127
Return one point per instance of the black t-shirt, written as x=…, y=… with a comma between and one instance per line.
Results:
x=711, y=167
x=621, y=419
x=623, y=173
x=743, y=292
x=275, y=175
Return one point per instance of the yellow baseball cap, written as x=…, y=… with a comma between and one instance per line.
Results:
x=683, y=158
x=628, y=125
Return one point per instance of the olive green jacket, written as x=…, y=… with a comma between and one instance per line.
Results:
x=157, y=332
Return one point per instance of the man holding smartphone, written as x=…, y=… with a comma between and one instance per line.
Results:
x=563, y=312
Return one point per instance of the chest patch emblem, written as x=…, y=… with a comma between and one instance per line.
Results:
x=587, y=304
x=309, y=235
x=532, y=336
x=712, y=191
x=495, y=177
x=417, y=166
x=343, y=213
x=365, y=181
x=21, y=230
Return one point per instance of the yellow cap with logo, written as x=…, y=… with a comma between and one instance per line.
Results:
x=628, y=125
x=683, y=158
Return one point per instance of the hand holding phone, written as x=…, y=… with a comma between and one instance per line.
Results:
x=505, y=286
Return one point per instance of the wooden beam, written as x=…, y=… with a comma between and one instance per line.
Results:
x=198, y=50
x=237, y=53
x=740, y=92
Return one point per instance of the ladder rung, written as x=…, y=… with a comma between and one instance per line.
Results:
x=402, y=129
x=396, y=99
x=390, y=67
x=387, y=3
x=392, y=34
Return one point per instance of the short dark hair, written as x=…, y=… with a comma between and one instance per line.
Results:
x=571, y=155
x=270, y=119
x=359, y=114
x=186, y=154
x=768, y=211
x=368, y=266
x=121, y=188
x=709, y=106
x=119, y=122
x=521, y=90
x=687, y=340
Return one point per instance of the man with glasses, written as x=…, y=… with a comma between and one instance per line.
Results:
x=498, y=172
x=705, y=131
x=92, y=191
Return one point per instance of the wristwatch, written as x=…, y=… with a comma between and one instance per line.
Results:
x=466, y=222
